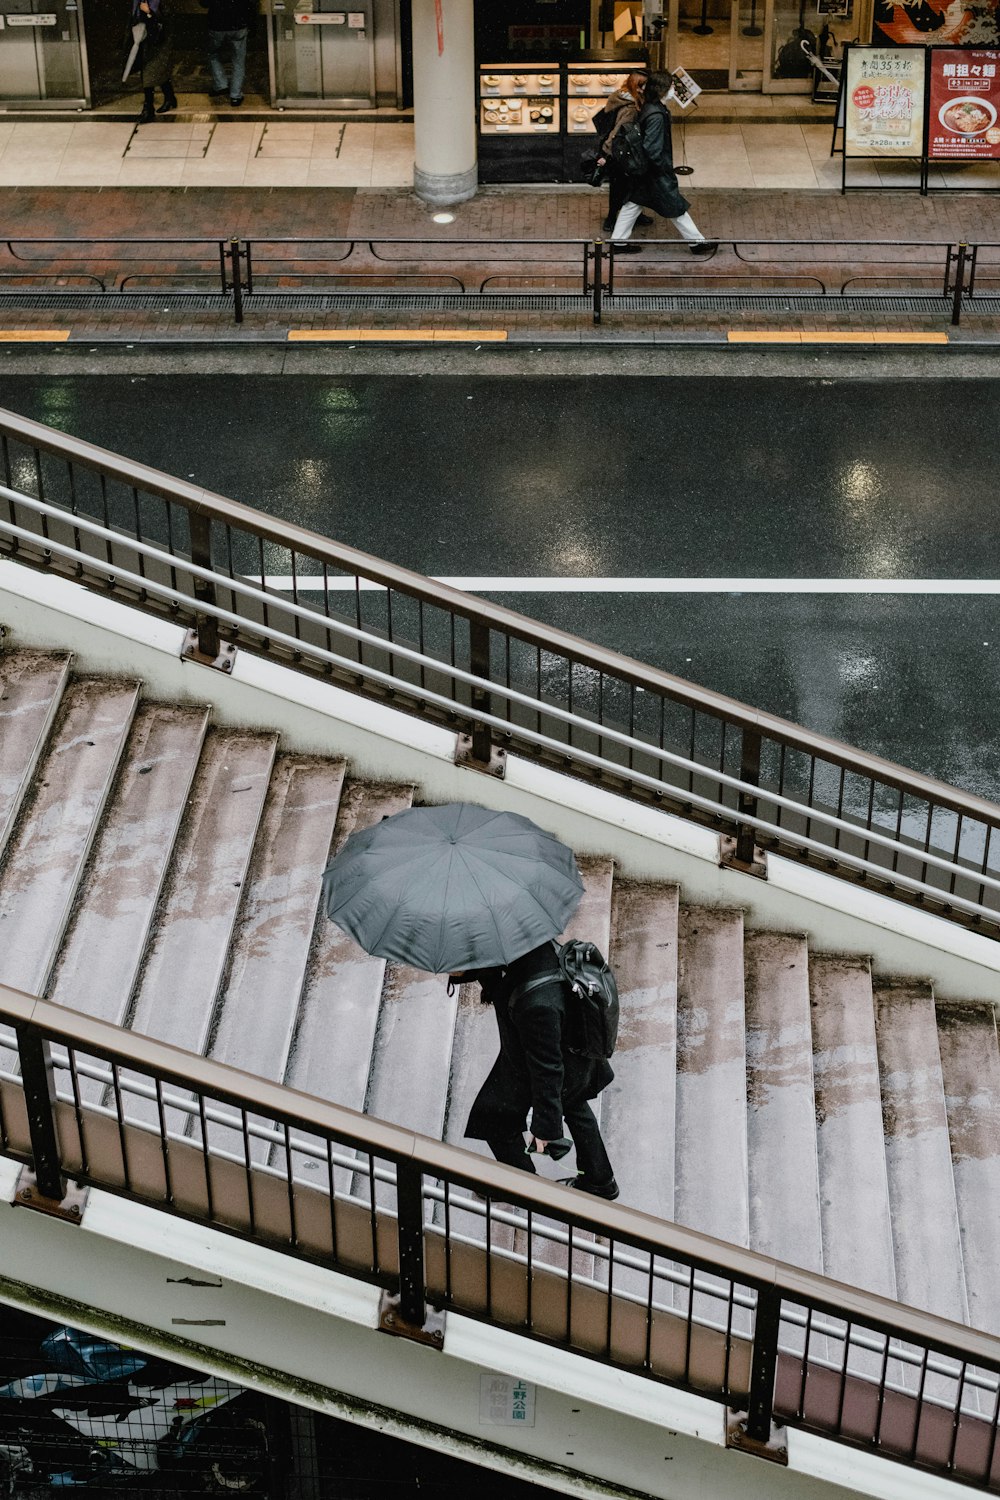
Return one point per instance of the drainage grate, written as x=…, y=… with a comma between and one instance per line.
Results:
x=623, y=302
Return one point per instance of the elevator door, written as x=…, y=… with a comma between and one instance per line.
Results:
x=42, y=53
x=322, y=53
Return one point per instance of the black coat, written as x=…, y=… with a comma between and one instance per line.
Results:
x=229, y=15
x=657, y=189
x=537, y=1068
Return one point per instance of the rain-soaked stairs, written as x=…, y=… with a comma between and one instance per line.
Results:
x=163, y=872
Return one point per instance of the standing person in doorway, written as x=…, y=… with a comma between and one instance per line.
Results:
x=621, y=109
x=155, y=57
x=656, y=187
x=541, y=1069
x=228, y=28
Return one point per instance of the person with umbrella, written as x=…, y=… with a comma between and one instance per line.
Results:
x=479, y=895
x=541, y=1068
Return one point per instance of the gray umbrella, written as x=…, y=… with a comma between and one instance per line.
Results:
x=453, y=887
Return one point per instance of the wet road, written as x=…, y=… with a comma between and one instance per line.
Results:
x=625, y=478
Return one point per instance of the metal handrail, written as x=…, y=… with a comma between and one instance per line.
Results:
x=492, y=720
x=795, y=817
x=778, y=1333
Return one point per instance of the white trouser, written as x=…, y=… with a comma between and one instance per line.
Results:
x=629, y=213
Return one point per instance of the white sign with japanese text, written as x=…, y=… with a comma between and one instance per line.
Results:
x=884, y=94
x=505, y=1401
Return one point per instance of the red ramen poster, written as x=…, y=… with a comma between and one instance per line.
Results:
x=964, y=120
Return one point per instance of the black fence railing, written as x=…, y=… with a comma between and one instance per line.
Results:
x=442, y=1229
x=503, y=681
x=581, y=275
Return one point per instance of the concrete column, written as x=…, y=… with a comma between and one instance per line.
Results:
x=444, y=103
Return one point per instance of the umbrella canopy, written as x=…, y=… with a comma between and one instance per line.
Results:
x=453, y=887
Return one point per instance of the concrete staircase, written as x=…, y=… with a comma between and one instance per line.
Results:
x=163, y=873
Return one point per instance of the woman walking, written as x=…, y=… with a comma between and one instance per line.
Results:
x=657, y=187
x=154, y=57
x=621, y=109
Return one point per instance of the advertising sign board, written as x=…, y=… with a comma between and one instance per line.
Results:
x=884, y=101
x=964, y=116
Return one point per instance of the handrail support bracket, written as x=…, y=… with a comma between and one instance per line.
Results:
x=191, y=650
x=69, y=1207
x=774, y=1447
x=391, y=1320
x=465, y=756
x=731, y=857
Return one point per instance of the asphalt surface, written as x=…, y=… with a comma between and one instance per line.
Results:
x=513, y=475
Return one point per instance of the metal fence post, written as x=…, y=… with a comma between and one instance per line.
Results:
x=479, y=665
x=746, y=806
x=406, y=1313
x=204, y=592
x=38, y=1080
x=959, y=288
x=598, y=279
x=237, y=274
x=760, y=1406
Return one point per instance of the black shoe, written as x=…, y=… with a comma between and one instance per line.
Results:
x=706, y=247
x=628, y=249
x=608, y=225
x=236, y=100
x=583, y=1184
x=169, y=100
x=644, y=220
x=148, y=116
x=218, y=93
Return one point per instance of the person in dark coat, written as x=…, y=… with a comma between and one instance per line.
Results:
x=539, y=1070
x=657, y=188
x=621, y=109
x=228, y=28
x=155, y=57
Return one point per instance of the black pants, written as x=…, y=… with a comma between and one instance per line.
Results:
x=617, y=193
x=591, y=1157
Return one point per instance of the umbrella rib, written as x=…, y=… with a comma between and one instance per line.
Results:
x=489, y=908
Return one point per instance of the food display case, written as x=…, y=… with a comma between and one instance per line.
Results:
x=536, y=120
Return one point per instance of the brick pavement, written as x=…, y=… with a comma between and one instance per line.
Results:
x=868, y=219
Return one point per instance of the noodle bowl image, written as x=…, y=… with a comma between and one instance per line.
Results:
x=967, y=116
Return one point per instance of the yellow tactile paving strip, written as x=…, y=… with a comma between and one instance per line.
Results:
x=33, y=335
x=782, y=337
x=397, y=335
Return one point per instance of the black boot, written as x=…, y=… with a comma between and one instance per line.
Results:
x=169, y=99
x=148, y=113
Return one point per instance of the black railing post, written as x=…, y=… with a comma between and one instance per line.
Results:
x=204, y=591
x=410, y=1221
x=479, y=665
x=746, y=806
x=223, y=276
x=39, y=1096
x=598, y=279
x=249, y=260
x=237, y=276
x=760, y=1406
x=959, y=288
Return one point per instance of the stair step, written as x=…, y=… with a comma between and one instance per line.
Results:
x=270, y=949
x=331, y=1050
x=411, y=1057
x=970, y=1066
x=178, y=989
x=854, y=1191
x=923, y=1211
x=781, y=1105
x=639, y=1113
x=49, y=849
x=102, y=953
x=31, y=686
x=711, y=1181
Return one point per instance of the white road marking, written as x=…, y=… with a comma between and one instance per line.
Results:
x=309, y=584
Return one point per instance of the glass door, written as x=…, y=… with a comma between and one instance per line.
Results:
x=798, y=28
x=43, y=58
x=700, y=41
x=321, y=52
x=746, y=53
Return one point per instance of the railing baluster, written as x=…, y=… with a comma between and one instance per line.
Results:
x=746, y=805
x=204, y=592
x=38, y=1081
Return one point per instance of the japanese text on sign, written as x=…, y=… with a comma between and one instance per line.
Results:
x=884, y=113
x=505, y=1401
x=964, y=123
